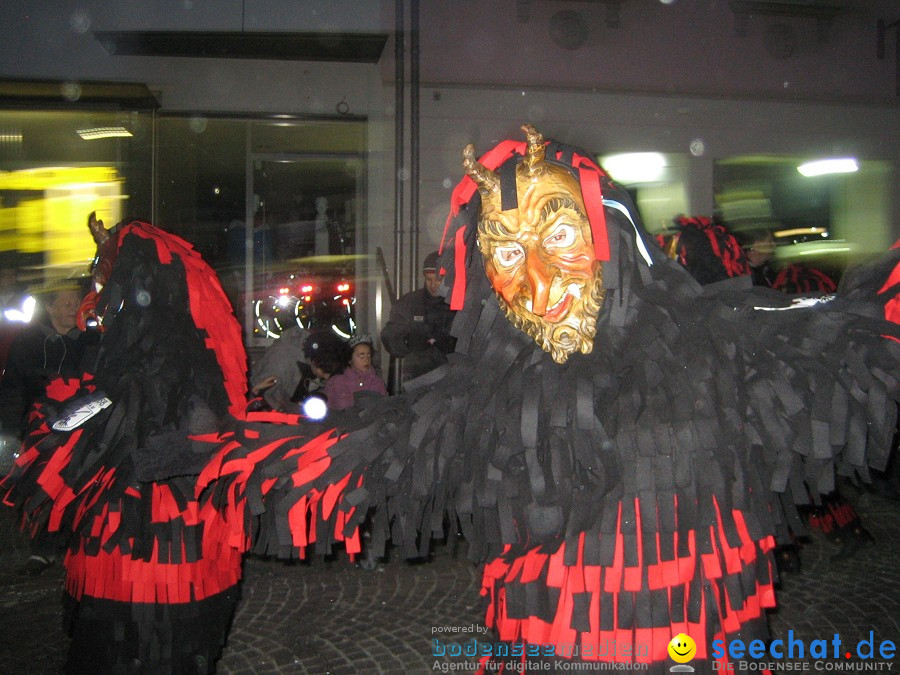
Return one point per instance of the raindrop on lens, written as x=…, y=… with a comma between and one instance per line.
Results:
x=697, y=147
x=198, y=124
x=80, y=22
x=71, y=91
x=142, y=298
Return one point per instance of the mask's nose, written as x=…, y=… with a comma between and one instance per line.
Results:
x=540, y=278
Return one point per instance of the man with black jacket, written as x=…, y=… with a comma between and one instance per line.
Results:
x=418, y=330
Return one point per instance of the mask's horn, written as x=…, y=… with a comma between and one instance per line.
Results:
x=534, y=156
x=100, y=233
x=487, y=181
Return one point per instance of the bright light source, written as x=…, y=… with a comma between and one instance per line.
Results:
x=343, y=287
x=822, y=167
x=635, y=167
x=315, y=408
x=306, y=289
x=21, y=315
x=103, y=132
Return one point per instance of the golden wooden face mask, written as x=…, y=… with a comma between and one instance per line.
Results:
x=539, y=256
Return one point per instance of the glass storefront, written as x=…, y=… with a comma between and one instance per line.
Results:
x=275, y=205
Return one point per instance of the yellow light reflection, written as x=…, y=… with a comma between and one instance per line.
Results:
x=50, y=211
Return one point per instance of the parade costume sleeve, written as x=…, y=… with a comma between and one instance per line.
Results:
x=626, y=495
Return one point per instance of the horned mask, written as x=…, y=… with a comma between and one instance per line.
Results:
x=538, y=251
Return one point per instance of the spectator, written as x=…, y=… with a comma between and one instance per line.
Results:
x=359, y=376
x=52, y=345
x=277, y=373
x=418, y=330
x=759, y=245
x=326, y=355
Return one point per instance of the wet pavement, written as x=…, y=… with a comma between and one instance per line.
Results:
x=329, y=616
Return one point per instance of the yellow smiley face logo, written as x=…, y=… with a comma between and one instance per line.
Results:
x=682, y=648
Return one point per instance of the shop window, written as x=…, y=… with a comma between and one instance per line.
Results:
x=275, y=205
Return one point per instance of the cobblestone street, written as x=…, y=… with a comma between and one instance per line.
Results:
x=332, y=617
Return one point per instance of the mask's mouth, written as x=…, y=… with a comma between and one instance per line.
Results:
x=561, y=306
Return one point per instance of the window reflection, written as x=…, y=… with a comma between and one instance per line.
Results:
x=828, y=221
x=55, y=168
x=298, y=183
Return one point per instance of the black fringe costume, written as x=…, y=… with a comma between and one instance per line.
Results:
x=630, y=494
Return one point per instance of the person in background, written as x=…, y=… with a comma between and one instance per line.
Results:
x=418, y=329
x=359, y=375
x=705, y=248
x=792, y=278
x=759, y=246
x=326, y=355
x=276, y=374
x=50, y=346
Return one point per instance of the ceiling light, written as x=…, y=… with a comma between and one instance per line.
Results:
x=634, y=167
x=95, y=133
x=822, y=167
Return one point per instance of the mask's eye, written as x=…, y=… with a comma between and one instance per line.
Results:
x=508, y=255
x=562, y=237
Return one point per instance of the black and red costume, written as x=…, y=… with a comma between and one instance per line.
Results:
x=152, y=567
x=627, y=495
x=635, y=492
